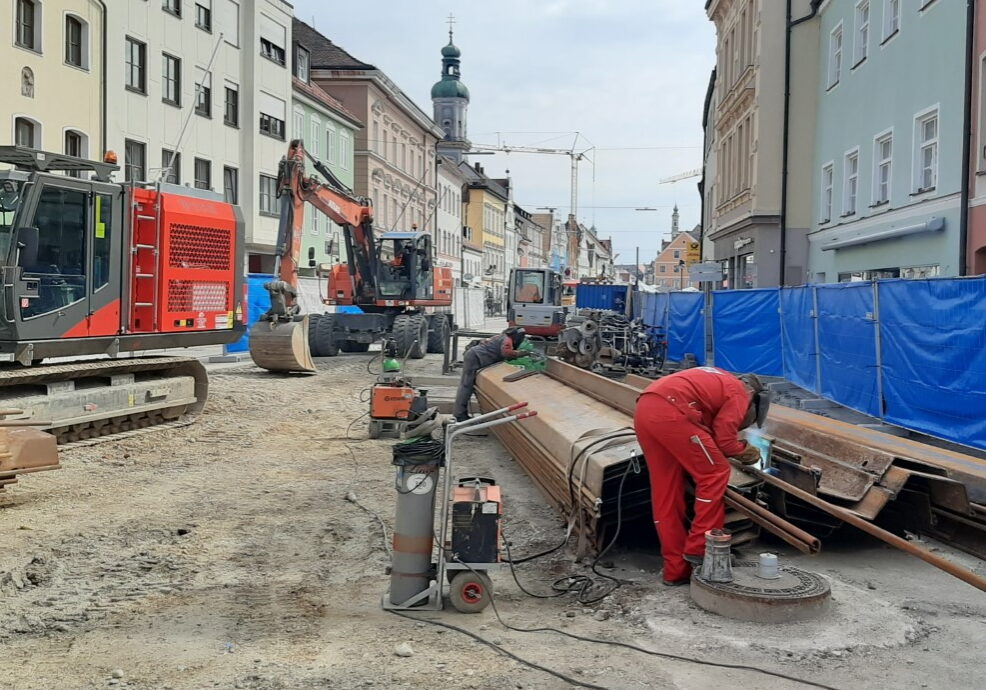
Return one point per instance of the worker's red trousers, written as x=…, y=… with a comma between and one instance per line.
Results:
x=673, y=445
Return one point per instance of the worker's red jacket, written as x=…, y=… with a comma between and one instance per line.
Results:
x=711, y=398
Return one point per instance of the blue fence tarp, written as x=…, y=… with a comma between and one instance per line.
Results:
x=610, y=297
x=686, y=326
x=746, y=331
x=848, y=358
x=258, y=301
x=933, y=346
x=798, y=337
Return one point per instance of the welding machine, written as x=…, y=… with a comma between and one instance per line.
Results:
x=393, y=401
x=476, y=510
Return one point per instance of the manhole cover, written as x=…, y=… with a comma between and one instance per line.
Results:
x=795, y=596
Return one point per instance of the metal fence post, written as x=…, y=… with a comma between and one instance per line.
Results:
x=711, y=358
x=818, y=350
x=879, y=348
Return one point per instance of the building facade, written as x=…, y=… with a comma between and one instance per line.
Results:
x=530, y=239
x=670, y=267
x=888, y=176
x=485, y=202
x=322, y=123
x=395, y=163
x=236, y=111
x=448, y=219
x=54, y=57
x=748, y=121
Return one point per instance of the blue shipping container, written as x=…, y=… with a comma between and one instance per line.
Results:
x=611, y=297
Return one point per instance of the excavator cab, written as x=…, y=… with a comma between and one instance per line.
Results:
x=409, y=273
x=534, y=301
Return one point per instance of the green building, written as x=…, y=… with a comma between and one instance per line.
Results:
x=328, y=130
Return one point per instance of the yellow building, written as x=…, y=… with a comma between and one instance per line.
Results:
x=55, y=50
x=485, y=201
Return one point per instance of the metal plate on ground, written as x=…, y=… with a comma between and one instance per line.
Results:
x=796, y=595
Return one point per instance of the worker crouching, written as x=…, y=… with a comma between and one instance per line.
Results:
x=483, y=354
x=689, y=422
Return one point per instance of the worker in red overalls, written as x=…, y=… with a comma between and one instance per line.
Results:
x=689, y=422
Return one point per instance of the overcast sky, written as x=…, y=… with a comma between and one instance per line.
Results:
x=629, y=75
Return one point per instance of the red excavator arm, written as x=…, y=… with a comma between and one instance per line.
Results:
x=279, y=341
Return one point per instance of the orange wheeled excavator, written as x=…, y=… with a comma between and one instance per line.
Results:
x=391, y=278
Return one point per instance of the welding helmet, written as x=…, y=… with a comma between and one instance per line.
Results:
x=516, y=335
x=759, y=401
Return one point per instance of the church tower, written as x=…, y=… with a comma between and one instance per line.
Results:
x=451, y=99
x=674, y=223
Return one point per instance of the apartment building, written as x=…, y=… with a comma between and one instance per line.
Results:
x=530, y=238
x=748, y=118
x=200, y=93
x=54, y=57
x=888, y=176
x=485, y=203
x=328, y=130
x=448, y=219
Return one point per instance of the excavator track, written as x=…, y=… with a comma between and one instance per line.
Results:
x=93, y=401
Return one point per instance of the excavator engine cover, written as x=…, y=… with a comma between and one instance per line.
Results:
x=281, y=346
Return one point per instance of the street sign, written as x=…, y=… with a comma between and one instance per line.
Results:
x=707, y=272
x=693, y=253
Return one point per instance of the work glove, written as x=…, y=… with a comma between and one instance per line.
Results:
x=750, y=455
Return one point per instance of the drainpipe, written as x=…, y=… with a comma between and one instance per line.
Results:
x=970, y=32
x=102, y=85
x=787, y=117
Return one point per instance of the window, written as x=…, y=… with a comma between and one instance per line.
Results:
x=268, y=195
x=345, y=150
x=891, y=18
x=136, y=65
x=170, y=164
x=171, y=80
x=28, y=24
x=231, y=185
x=26, y=133
x=330, y=145
x=203, y=174
x=835, y=56
x=102, y=231
x=851, y=170
x=271, y=51
x=75, y=145
x=301, y=62
x=203, y=95
x=883, y=151
x=172, y=6
x=828, y=184
x=134, y=161
x=862, y=30
x=926, y=154
x=203, y=15
x=664, y=268
x=271, y=126
x=74, y=41
x=231, y=112
x=677, y=253
x=316, y=132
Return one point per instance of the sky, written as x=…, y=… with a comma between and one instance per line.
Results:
x=629, y=76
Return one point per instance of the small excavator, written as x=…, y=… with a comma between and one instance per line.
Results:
x=392, y=294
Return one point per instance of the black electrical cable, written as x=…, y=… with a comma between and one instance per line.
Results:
x=501, y=650
x=421, y=451
x=663, y=655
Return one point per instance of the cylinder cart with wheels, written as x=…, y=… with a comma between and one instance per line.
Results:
x=469, y=529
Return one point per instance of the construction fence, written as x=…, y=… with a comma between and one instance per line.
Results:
x=909, y=352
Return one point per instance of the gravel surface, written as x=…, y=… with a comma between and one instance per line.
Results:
x=225, y=554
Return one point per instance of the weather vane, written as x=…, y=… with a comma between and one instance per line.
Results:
x=451, y=21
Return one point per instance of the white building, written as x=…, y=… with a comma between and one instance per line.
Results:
x=236, y=113
x=448, y=217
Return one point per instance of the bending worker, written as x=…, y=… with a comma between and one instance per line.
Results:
x=483, y=354
x=689, y=422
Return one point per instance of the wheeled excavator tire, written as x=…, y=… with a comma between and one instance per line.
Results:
x=96, y=400
x=328, y=346
x=353, y=346
x=410, y=332
x=313, y=335
x=437, y=334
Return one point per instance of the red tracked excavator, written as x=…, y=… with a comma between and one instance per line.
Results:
x=91, y=267
x=392, y=293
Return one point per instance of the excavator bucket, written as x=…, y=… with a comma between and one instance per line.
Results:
x=281, y=346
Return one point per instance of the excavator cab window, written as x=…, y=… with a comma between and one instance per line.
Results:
x=53, y=250
x=529, y=287
x=10, y=201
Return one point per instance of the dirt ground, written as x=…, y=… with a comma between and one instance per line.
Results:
x=225, y=554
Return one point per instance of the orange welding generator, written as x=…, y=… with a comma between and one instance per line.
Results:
x=393, y=400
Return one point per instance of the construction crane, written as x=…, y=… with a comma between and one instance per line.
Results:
x=697, y=172
x=576, y=156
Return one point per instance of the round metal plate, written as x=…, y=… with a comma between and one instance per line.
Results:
x=795, y=595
